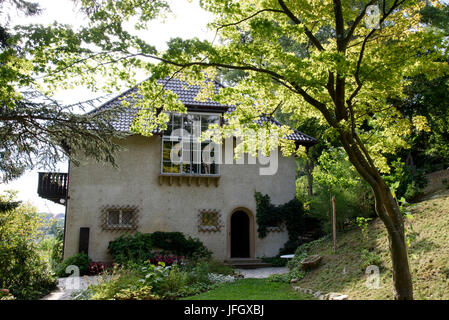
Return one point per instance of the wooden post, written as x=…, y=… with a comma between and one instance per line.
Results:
x=334, y=224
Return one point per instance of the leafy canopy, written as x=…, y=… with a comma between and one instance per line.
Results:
x=319, y=59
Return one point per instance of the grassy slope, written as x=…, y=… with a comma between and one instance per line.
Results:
x=428, y=252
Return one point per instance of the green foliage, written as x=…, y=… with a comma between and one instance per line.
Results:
x=275, y=261
x=6, y=296
x=291, y=214
x=142, y=293
x=295, y=273
x=51, y=248
x=122, y=282
x=81, y=260
x=405, y=184
x=141, y=246
x=178, y=244
x=350, y=202
x=36, y=129
x=362, y=223
x=22, y=269
x=148, y=281
x=131, y=248
x=369, y=258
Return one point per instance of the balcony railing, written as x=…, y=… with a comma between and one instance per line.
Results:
x=53, y=186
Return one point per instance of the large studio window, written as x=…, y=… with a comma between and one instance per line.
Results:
x=182, y=153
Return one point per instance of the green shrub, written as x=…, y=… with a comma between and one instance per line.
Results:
x=368, y=258
x=177, y=243
x=123, y=282
x=275, y=261
x=51, y=248
x=81, y=260
x=131, y=248
x=141, y=246
x=413, y=193
x=5, y=295
x=23, y=271
x=142, y=293
x=215, y=266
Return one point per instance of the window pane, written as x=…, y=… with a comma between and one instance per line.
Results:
x=177, y=125
x=127, y=217
x=209, y=218
x=188, y=124
x=170, y=167
x=208, y=120
x=196, y=127
x=196, y=168
x=166, y=148
x=113, y=217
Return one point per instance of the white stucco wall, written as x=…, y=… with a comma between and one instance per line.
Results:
x=169, y=207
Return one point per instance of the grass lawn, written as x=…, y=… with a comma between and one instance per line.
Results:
x=252, y=289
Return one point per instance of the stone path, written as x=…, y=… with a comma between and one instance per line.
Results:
x=262, y=272
x=66, y=286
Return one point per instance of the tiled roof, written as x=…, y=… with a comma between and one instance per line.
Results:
x=187, y=96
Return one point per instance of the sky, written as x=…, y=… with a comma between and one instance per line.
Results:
x=188, y=21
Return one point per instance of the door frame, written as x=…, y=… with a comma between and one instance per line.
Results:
x=251, y=232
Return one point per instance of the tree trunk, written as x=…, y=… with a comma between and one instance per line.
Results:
x=402, y=282
x=388, y=211
x=309, y=170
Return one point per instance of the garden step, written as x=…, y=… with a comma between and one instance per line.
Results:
x=246, y=263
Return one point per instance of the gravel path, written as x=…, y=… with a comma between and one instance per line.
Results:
x=262, y=272
x=66, y=286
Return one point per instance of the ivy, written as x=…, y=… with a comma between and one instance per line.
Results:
x=290, y=213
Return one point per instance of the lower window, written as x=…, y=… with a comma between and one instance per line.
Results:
x=119, y=218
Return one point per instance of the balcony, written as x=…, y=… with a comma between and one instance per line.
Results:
x=53, y=186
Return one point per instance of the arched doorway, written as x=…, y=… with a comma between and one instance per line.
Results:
x=240, y=235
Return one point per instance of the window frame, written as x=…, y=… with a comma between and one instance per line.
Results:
x=169, y=138
x=120, y=224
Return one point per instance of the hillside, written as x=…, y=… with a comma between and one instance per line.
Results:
x=428, y=252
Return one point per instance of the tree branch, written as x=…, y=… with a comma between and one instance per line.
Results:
x=308, y=33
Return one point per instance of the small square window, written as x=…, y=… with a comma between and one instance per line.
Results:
x=119, y=218
x=209, y=221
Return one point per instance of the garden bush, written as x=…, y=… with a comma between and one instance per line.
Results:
x=23, y=271
x=146, y=281
x=130, y=248
x=81, y=260
x=177, y=243
x=143, y=246
x=122, y=282
x=350, y=202
x=275, y=261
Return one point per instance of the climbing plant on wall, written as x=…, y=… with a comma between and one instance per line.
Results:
x=291, y=214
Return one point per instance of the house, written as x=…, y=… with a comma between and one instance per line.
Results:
x=150, y=192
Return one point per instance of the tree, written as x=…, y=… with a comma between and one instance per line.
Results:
x=354, y=58
x=35, y=129
x=22, y=270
